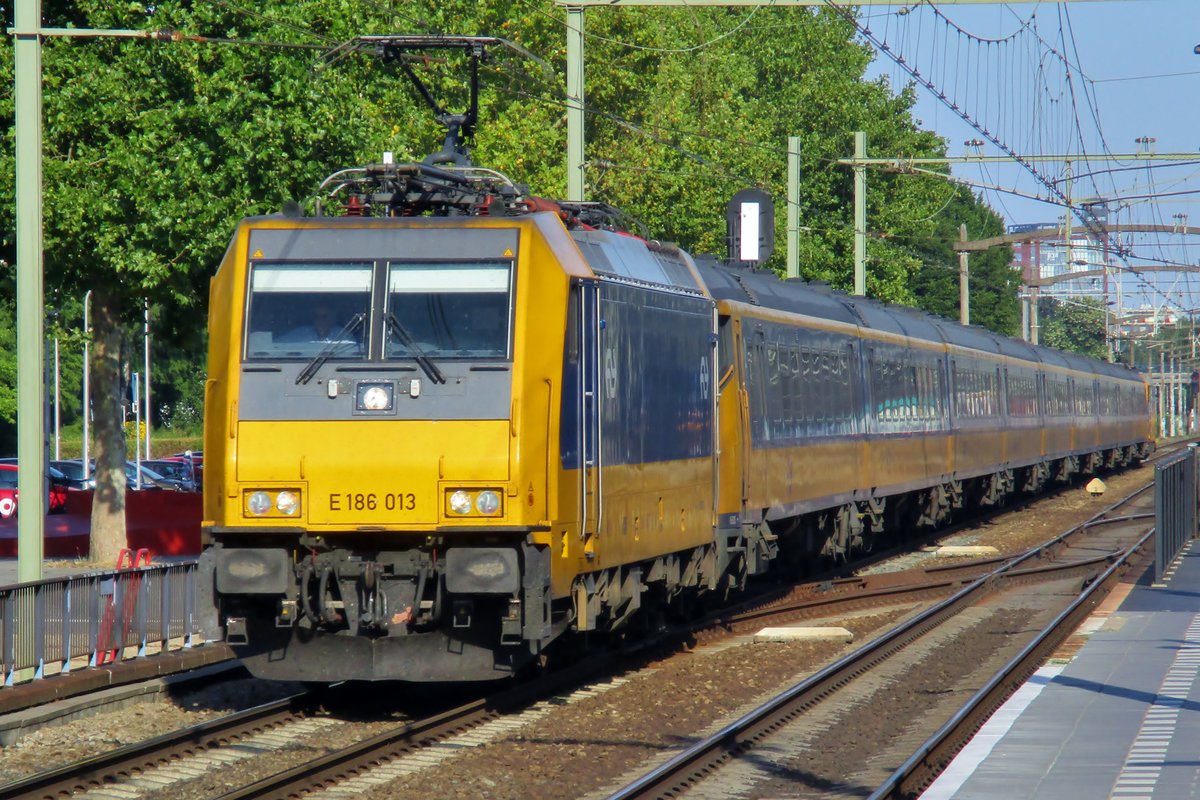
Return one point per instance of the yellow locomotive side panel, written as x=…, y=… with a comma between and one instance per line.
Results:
x=220, y=390
x=548, y=260
x=654, y=508
x=733, y=435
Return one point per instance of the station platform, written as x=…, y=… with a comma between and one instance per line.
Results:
x=1119, y=719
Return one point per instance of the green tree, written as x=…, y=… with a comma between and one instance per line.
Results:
x=993, y=283
x=1075, y=325
x=153, y=150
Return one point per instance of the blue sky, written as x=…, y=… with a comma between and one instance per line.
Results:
x=1144, y=76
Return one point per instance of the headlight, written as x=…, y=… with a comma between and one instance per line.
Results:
x=287, y=503
x=460, y=502
x=488, y=502
x=375, y=396
x=258, y=503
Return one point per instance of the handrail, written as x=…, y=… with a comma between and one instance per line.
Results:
x=89, y=619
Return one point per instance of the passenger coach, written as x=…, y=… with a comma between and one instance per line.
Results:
x=842, y=417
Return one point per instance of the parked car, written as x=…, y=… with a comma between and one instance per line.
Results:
x=197, y=456
x=73, y=473
x=151, y=479
x=53, y=473
x=176, y=470
x=9, y=494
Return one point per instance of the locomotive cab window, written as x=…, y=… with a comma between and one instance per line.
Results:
x=448, y=310
x=297, y=310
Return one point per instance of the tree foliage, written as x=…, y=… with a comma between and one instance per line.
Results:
x=153, y=150
x=1076, y=325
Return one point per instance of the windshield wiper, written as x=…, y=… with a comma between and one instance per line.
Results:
x=408, y=341
x=337, y=342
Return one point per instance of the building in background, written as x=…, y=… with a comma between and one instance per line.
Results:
x=1043, y=258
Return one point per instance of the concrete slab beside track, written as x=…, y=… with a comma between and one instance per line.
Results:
x=1118, y=719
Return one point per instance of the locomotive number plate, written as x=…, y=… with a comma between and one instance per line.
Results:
x=372, y=501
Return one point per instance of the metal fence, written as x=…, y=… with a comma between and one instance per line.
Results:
x=1175, y=497
x=61, y=624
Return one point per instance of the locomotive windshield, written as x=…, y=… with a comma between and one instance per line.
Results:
x=449, y=310
x=432, y=310
x=296, y=311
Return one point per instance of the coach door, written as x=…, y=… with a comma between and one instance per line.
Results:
x=590, y=480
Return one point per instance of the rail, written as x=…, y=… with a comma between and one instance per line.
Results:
x=59, y=625
x=916, y=773
x=1175, y=496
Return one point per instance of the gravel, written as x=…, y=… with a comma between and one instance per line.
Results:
x=72, y=741
x=581, y=749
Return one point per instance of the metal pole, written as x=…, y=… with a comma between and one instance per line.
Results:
x=1025, y=315
x=1172, y=362
x=137, y=432
x=31, y=422
x=1162, y=394
x=57, y=414
x=860, y=215
x=146, y=346
x=1070, y=254
x=1108, y=344
x=575, y=115
x=793, y=208
x=1033, y=313
x=87, y=389
x=964, y=296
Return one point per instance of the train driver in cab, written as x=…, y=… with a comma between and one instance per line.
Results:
x=326, y=326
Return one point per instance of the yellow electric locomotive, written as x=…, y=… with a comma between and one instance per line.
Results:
x=412, y=472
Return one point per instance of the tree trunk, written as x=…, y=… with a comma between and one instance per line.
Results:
x=108, y=508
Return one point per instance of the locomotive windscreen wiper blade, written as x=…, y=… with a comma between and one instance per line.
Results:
x=408, y=341
x=337, y=342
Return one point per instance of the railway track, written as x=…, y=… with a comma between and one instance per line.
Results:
x=1095, y=573
x=1062, y=554
x=133, y=760
x=357, y=768
x=353, y=770
x=932, y=756
x=342, y=768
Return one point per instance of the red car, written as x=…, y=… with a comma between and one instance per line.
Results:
x=8, y=492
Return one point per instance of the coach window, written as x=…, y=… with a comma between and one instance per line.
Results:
x=724, y=352
x=809, y=392
x=449, y=309
x=296, y=310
